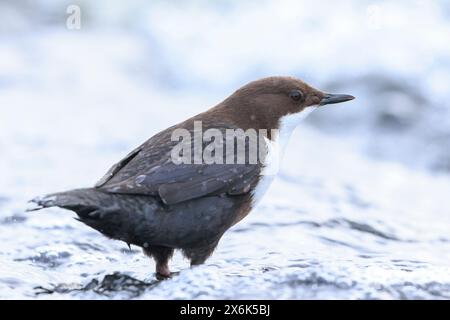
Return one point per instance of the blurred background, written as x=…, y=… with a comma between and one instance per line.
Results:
x=361, y=206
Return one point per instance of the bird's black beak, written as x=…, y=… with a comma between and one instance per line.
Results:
x=335, y=98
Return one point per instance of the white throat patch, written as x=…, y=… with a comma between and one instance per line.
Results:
x=276, y=151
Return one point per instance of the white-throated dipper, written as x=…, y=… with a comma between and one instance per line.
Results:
x=153, y=200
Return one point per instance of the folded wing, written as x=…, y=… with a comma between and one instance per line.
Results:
x=149, y=170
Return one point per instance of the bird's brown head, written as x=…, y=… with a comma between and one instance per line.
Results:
x=262, y=103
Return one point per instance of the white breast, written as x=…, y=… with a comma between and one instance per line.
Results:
x=275, y=151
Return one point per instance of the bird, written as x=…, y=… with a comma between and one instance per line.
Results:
x=153, y=200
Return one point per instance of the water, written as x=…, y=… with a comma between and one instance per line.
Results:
x=359, y=209
x=333, y=225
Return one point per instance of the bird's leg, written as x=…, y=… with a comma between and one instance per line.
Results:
x=161, y=255
x=200, y=254
x=162, y=269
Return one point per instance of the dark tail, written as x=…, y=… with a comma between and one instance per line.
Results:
x=82, y=201
x=108, y=213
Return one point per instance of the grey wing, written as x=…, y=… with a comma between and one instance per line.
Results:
x=117, y=167
x=149, y=170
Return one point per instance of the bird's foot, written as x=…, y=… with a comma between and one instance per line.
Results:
x=162, y=271
x=160, y=276
x=163, y=277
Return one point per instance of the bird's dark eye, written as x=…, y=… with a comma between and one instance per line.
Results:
x=296, y=95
